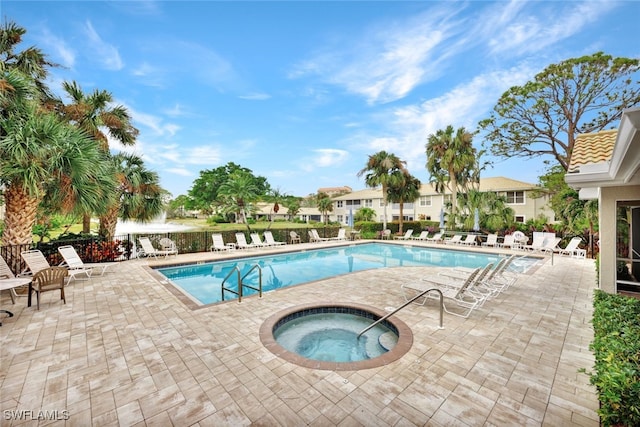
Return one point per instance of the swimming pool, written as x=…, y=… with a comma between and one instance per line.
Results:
x=202, y=282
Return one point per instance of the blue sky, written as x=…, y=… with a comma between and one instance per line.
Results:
x=303, y=92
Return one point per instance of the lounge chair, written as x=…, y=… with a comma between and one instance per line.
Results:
x=8, y=281
x=455, y=290
x=73, y=260
x=257, y=242
x=219, y=245
x=424, y=235
x=436, y=238
x=49, y=279
x=314, y=237
x=148, y=250
x=268, y=237
x=407, y=235
x=241, y=242
x=342, y=235
x=508, y=241
x=456, y=239
x=537, y=244
x=470, y=240
x=477, y=286
x=36, y=262
x=492, y=240
x=385, y=234
x=169, y=245
x=294, y=237
x=573, y=250
x=550, y=245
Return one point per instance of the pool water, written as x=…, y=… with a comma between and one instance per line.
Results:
x=332, y=337
x=203, y=282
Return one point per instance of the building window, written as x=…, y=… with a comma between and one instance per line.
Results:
x=425, y=200
x=340, y=218
x=368, y=203
x=339, y=203
x=381, y=203
x=520, y=218
x=515, y=197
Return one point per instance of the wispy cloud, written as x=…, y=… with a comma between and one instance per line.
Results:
x=60, y=48
x=154, y=123
x=104, y=52
x=329, y=157
x=256, y=96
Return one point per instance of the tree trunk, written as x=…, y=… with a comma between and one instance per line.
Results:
x=401, y=218
x=384, y=200
x=108, y=222
x=20, y=216
x=86, y=223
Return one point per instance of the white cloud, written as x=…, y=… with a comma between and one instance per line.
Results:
x=329, y=157
x=106, y=53
x=60, y=48
x=203, y=155
x=256, y=96
x=179, y=171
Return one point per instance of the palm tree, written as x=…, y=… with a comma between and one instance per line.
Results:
x=404, y=188
x=42, y=158
x=379, y=170
x=451, y=162
x=95, y=113
x=138, y=195
x=325, y=205
x=365, y=214
x=240, y=190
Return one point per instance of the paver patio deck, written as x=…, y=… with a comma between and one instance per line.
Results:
x=125, y=351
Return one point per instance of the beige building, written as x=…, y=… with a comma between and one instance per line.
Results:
x=520, y=197
x=606, y=166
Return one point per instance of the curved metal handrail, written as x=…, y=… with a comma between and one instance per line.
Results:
x=421, y=294
x=239, y=291
x=259, y=288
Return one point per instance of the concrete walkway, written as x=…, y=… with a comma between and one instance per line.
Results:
x=126, y=351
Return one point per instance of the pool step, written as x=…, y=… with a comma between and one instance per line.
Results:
x=388, y=340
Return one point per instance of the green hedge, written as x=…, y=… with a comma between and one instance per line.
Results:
x=616, y=346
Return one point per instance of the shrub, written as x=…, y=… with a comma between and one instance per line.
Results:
x=616, y=346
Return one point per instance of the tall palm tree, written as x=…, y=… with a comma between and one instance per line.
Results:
x=95, y=113
x=240, y=190
x=325, y=205
x=452, y=162
x=138, y=196
x=41, y=156
x=405, y=188
x=379, y=170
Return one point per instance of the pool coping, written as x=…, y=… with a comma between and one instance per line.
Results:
x=405, y=339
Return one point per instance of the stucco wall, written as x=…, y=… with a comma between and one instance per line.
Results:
x=609, y=196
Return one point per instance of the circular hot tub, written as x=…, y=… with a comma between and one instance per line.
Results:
x=327, y=336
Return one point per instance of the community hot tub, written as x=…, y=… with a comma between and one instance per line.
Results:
x=325, y=336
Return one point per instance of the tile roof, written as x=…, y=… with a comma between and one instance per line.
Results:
x=592, y=148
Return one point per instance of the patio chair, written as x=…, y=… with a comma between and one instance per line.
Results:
x=492, y=240
x=219, y=245
x=572, y=249
x=424, y=235
x=49, y=279
x=537, y=244
x=508, y=241
x=456, y=239
x=294, y=237
x=436, y=238
x=407, y=235
x=342, y=235
x=314, y=237
x=8, y=281
x=550, y=245
x=148, y=250
x=454, y=290
x=241, y=242
x=168, y=245
x=257, y=242
x=73, y=260
x=470, y=240
x=36, y=262
x=385, y=234
x=268, y=237
x=477, y=287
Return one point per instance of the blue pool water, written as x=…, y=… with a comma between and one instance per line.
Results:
x=203, y=281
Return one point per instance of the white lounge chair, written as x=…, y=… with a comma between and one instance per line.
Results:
x=36, y=262
x=149, y=250
x=435, y=238
x=508, y=241
x=73, y=260
x=537, y=244
x=314, y=237
x=241, y=242
x=407, y=235
x=424, y=235
x=470, y=240
x=257, y=242
x=492, y=240
x=342, y=235
x=573, y=250
x=219, y=245
x=8, y=281
x=550, y=245
x=268, y=237
x=455, y=290
x=456, y=239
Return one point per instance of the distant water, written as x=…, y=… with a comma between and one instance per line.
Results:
x=156, y=225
